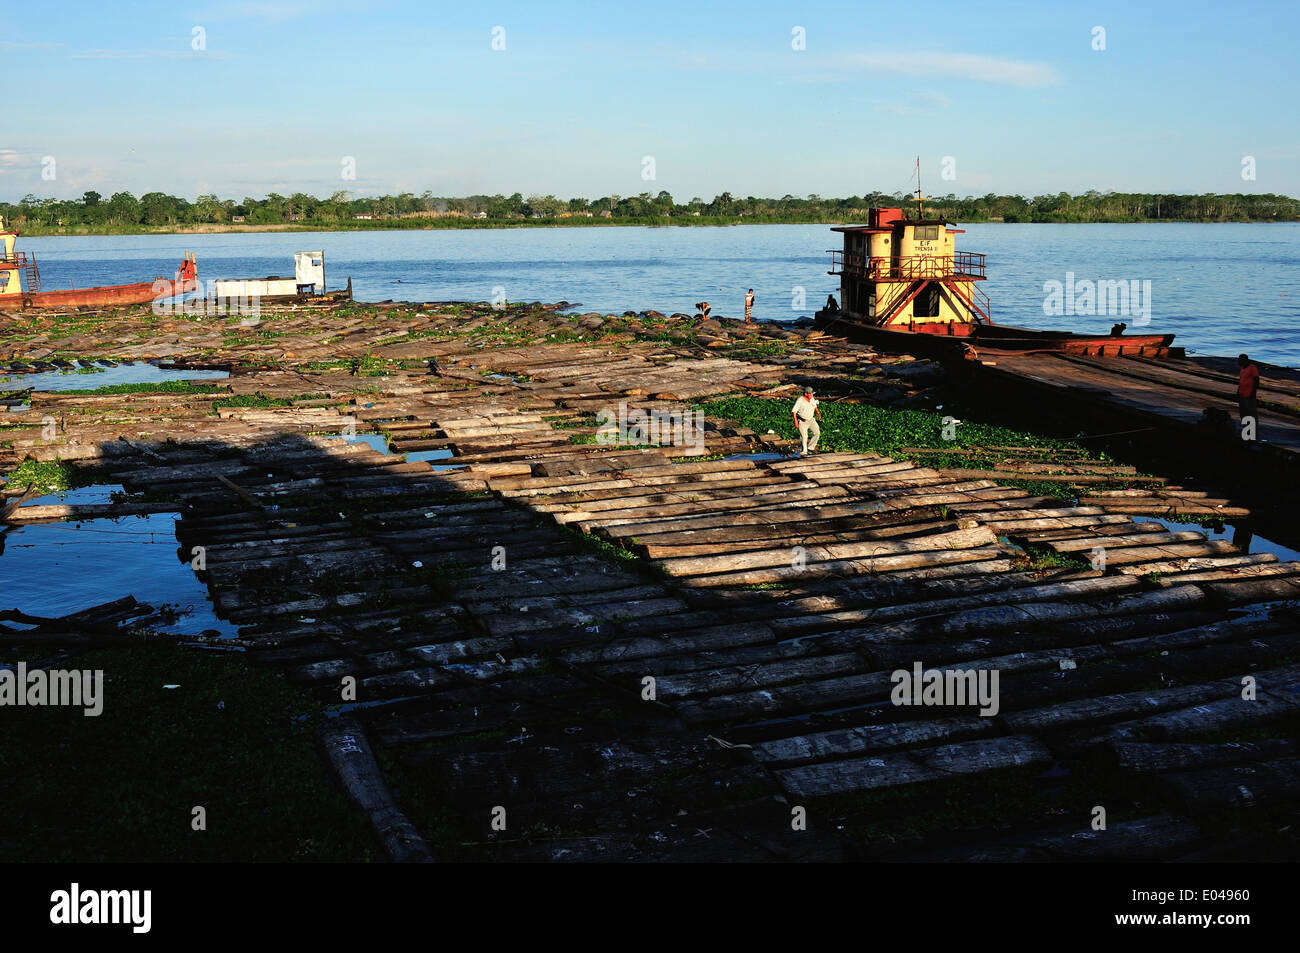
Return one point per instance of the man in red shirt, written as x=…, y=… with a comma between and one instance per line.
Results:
x=1248, y=390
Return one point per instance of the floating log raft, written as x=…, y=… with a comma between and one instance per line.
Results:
x=589, y=651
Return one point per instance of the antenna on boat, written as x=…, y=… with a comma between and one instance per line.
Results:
x=920, y=199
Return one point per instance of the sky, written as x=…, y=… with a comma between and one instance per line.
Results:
x=696, y=98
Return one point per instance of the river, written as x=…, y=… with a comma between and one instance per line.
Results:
x=1221, y=288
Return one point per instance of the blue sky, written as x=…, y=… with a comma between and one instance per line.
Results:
x=415, y=93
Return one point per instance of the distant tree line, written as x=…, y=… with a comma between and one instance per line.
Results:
x=122, y=211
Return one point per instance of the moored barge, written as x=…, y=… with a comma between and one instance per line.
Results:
x=20, y=284
x=904, y=285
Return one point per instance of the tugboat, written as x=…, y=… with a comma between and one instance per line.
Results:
x=903, y=285
x=20, y=283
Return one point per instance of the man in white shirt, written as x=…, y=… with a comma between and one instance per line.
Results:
x=806, y=414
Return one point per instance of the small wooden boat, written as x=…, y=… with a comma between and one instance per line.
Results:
x=20, y=284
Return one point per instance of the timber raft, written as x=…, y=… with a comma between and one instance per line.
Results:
x=501, y=652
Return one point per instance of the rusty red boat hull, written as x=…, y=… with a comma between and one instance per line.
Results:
x=992, y=339
x=141, y=292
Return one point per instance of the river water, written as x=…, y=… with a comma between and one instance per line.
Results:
x=1222, y=289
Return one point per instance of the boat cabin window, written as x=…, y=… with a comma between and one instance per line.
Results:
x=927, y=303
x=927, y=233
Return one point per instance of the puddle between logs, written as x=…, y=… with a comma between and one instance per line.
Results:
x=53, y=569
x=141, y=372
x=375, y=441
x=427, y=456
x=379, y=443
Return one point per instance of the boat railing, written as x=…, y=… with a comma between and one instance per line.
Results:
x=962, y=264
x=27, y=266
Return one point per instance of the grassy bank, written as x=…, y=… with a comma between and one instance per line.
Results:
x=122, y=786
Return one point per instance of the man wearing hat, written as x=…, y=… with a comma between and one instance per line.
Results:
x=806, y=414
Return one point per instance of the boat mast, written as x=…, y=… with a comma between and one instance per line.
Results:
x=920, y=199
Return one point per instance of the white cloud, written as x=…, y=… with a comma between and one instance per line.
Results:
x=965, y=66
x=13, y=162
x=152, y=54
x=921, y=103
x=930, y=64
x=10, y=46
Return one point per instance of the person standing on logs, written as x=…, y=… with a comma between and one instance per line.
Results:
x=1248, y=391
x=749, y=306
x=807, y=412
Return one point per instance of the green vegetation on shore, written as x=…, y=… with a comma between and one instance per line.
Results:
x=51, y=476
x=865, y=428
x=146, y=387
x=905, y=435
x=122, y=786
x=123, y=213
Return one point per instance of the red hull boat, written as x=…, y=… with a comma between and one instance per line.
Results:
x=20, y=284
x=974, y=340
x=904, y=285
x=142, y=292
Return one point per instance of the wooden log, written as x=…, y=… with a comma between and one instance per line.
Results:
x=846, y=568
x=1120, y=542
x=1278, y=697
x=1111, y=708
x=1122, y=555
x=804, y=623
x=624, y=499
x=847, y=742
x=640, y=647
x=1241, y=787
x=787, y=539
x=1079, y=479
x=1161, y=508
x=1015, y=615
x=1254, y=591
x=356, y=769
x=913, y=767
x=1186, y=566
x=886, y=524
x=1137, y=757
x=766, y=558
x=1162, y=837
x=1231, y=575
x=595, y=614
x=664, y=512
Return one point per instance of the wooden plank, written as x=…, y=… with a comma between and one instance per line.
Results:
x=916, y=766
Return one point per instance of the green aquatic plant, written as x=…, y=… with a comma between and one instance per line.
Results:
x=52, y=476
x=155, y=387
